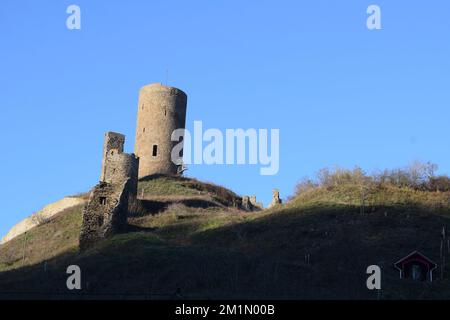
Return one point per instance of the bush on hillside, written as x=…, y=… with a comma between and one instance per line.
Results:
x=417, y=176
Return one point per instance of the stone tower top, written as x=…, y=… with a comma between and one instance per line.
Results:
x=160, y=87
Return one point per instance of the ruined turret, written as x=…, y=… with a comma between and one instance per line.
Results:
x=106, y=211
x=275, y=198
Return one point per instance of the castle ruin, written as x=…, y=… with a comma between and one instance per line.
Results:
x=106, y=212
x=275, y=198
x=161, y=110
x=249, y=203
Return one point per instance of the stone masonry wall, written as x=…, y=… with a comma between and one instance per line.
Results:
x=112, y=144
x=161, y=110
x=106, y=211
x=275, y=198
x=249, y=204
x=122, y=166
x=105, y=214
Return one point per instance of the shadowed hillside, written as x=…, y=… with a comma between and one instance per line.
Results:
x=316, y=246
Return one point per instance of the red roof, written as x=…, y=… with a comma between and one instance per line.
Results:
x=415, y=256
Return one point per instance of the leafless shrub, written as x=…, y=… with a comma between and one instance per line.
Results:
x=417, y=175
x=340, y=176
x=305, y=185
x=39, y=219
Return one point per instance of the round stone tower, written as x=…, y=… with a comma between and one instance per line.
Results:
x=161, y=110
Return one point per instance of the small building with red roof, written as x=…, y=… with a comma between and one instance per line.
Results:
x=416, y=266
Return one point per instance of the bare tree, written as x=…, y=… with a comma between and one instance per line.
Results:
x=39, y=219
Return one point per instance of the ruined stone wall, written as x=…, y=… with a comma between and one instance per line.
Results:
x=106, y=212
x=275, y=198
x=256, y=205
x=246, y=204
x=120, y=167
x=112, y=144
x=161, y=110
x=249, y=203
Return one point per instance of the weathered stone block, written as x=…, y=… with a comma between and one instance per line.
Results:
x=105, y=213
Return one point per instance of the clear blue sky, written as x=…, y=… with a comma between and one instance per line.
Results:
x=339, y=93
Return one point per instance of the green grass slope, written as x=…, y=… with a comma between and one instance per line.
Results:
x=220, y=252
x=178, y=189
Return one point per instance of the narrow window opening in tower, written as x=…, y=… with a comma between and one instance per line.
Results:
x=102, y=201
x=143, y=130
x=142, y=106
x=165, y=112
x=155, y=150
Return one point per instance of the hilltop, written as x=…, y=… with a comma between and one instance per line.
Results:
x=197, y=245
x=59, y=232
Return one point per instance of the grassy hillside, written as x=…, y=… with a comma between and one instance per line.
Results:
x=172, y=188
x=221, y=252
x=159, y=193
x=56, y=237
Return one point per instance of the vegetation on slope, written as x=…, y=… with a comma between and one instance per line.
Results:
x=173, y=188
x=316, y=246
x=59, y=235
x=55, y=237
